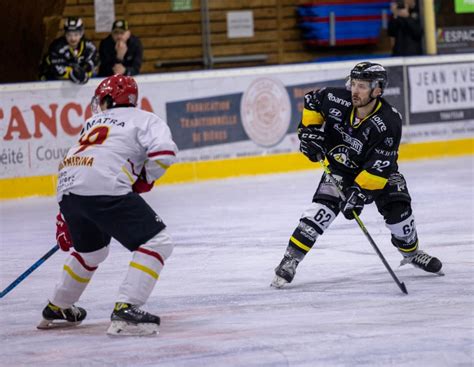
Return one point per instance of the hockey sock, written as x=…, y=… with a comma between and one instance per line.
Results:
x=77, y=272
x=314, y=221
x=145, y=268
x=404, y=236
x=303, y=238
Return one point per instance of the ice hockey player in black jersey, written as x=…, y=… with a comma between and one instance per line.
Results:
x=70, y=57
x=358, y=133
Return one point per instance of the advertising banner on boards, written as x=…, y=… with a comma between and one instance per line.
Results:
x=441, y=93
x=38, y=126
x=265, y=114
x=215, y=114
x=455, y=40
x=212, y=118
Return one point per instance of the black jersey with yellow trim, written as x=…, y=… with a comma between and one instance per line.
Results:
x=365, y=149
x=61, y=57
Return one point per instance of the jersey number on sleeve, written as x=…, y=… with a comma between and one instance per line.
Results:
x=380, y=165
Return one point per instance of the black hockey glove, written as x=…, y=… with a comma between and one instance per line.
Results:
x=86, y=66
x=78, y=75
x=355, y=200
x=312, y=143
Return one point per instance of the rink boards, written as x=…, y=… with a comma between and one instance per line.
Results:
x=215, y=169
x=234, y=122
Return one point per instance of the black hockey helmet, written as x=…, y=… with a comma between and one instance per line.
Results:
x=73, y=24
x=374, y=73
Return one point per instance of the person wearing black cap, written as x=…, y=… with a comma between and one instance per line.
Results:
x=120, y=52
x=71, y=56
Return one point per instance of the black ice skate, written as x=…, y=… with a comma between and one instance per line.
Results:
x=57, y=317
x=424, y=261
x=128, y=319
x=285, y=272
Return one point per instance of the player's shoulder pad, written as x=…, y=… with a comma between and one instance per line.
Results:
x=340, y=96
x=387, y=120
x=312, y=99
x=340, y=92
x=88, y=43
x=149, y=116
x=146, y=113
x=391, y=112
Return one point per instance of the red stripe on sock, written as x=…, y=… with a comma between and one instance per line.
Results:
x=156, y=255
x=162, y=152
x=82, y=262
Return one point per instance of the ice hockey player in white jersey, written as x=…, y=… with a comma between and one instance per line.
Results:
x=121, y=151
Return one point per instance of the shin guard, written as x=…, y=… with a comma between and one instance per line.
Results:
x=314, y=221
x=145, y=268
x=77, y=272
x=404, y=236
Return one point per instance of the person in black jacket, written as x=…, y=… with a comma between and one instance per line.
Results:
x=358, y=132
x=70, y=57
x=120, y=52
x=405, y=28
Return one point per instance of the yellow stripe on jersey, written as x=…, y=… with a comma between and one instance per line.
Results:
x=74, y=276
x=369, y=181
x=81, y=49
x=326, y=162
x=132, y=180
x=352, y=118
x=67, y=73
x=162, y=165
x=311, y=118
x=299, y=244
x=145, y=269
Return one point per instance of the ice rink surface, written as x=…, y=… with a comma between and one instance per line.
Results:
x=217, y=309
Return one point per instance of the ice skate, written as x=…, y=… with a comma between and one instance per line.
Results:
x=56, y=317
x=128, y=319
x=285, y=272
x=424, y=261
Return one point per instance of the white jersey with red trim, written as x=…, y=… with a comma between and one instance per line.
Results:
x=113, y=148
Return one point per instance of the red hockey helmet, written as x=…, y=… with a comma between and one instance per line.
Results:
x=116, y=90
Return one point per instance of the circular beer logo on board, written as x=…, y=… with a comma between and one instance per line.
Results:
x=266, y=111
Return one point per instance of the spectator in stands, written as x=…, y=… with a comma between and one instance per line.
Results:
x=71, y=56
x=120, y=52
x=405, y=28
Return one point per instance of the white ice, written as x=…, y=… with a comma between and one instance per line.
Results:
x=217, y=309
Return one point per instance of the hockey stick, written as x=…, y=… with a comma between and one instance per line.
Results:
x=29, y=271
x=401, y=285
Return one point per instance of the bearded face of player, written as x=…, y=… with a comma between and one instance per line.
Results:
x=362, y=93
